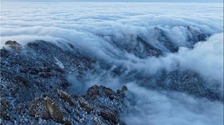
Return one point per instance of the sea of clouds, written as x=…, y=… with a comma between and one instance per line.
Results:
x=89, y=26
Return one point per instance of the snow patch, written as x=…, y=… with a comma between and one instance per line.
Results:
x=59, y=63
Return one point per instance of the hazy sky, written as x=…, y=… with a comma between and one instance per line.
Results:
x=116, y=0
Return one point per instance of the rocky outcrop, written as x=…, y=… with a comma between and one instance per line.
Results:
x=156, y=43
x=5, y=108
x=27, y=73
x=56, y=106
x=33, y=88
x=13, y=45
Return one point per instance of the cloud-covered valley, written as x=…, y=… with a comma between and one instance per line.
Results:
x=159, y=50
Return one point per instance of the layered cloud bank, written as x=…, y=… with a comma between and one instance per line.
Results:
x=146, y=46
x=158, y=108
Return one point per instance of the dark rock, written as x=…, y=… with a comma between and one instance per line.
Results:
x=4, y=53
x=13, y=45
x=66, y=97
x=5, y=108
x=57, y=106
x=53, y=109
x=46, y=108
x=99, y=90
x=124, y=88
x=37, y=109
x=85, y=105
x=22, y=80
x=109, y=116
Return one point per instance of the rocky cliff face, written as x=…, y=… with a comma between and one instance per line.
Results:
x=100, y=105
x=34, y=84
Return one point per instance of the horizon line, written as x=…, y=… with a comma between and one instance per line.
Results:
x=106, y=2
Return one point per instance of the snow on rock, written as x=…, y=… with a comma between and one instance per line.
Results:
x=59, y=63
x=57, y=106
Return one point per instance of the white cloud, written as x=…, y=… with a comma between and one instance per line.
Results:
x=158, y=108
x=90, y=27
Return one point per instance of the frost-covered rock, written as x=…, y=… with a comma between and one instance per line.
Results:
x=57, y=106
x=34, y=86
x=13, y=45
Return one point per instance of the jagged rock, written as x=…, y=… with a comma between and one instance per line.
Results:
x=53, y=109
x=4, y=52
x=37, y=84
x=5, y=108
x=100, y=91
x=22, y=80
x=46, y=108
x=37, y=109
x=197, y=34
x=13, y=45
x=58, y=106
x=124, y=88
x=85, y=105
x=38, y=87
x=66, y=97
x=111, y=117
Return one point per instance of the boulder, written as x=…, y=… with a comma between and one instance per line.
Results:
x=13, y=45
